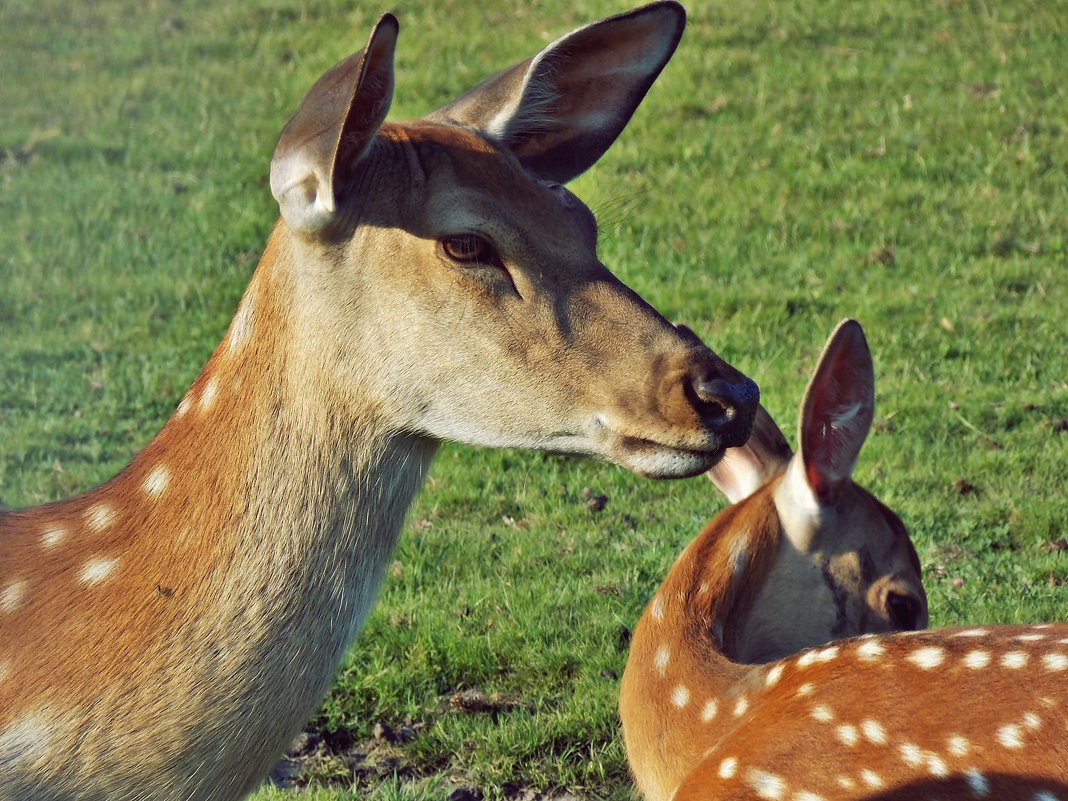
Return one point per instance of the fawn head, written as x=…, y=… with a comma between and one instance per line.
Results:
x=845, y=564
x=443, y=266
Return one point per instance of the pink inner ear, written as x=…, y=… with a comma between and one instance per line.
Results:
x=837, y=411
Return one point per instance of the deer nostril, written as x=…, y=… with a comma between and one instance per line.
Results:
x=732, y=397
x=716, y=398
x=726, y=405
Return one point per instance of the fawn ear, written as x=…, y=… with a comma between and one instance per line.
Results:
x=332, y=130
x=559, y=110
x=742, y=471
x=836, y=412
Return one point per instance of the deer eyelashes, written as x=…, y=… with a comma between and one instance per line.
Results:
x=470, y=248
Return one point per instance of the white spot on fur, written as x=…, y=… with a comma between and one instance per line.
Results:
x=937, y=766
x=805, y=795
x=977, y=781
x=1009, y=736
x=680, y=696
x=927, y=658
x=207, y=397
x=53, y=535
x=1030, y=637
x=821, y=655
x=1055, y=661
x=657, y=609
x=241, y=327
x=958, y=746
x=661, y=659
x=709, y=710
x=739, y=555
x=874, y=731
x=766, y=785
x=1014, y=660
x=728, y=767
x=156, y=481
x=96, y=570
x=871, y=778
x=5, y=670
x=870, y=651
x=846, y=783
x=1045, y=795
x=24, y=740
x=774, y=675
x=977, y=660
x=99, y=516
x=911, y=753
x=822, y=714
x=741, y=706
x=805, y=689
x=847, y=734
x=972, y=633
x=183, y=407
x=12, y=595
x=1032, y=721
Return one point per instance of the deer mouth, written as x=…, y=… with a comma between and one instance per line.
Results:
x=670, y=457
x=652, y=459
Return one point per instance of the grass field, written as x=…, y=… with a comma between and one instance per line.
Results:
x=903, y=163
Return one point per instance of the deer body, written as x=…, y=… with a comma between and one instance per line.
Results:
x=165, y=635
x=715, y=702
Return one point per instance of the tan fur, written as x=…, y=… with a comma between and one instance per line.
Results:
x=164, y=635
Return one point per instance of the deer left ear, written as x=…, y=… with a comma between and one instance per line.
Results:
x=559, y=110
x=837, y=411
x=331, y=130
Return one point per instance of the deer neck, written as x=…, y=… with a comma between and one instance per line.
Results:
x=682, y=691
x=236, y=556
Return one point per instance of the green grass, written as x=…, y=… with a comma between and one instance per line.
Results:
x=903, y=163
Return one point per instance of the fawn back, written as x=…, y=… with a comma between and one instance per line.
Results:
x=951, y=714
x=802, y=557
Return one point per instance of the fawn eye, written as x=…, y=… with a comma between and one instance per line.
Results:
x=470, y=249
x=903, y=610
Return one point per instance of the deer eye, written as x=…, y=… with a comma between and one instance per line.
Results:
x=470, y=249
x=903, y=610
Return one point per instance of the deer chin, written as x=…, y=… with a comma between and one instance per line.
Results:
x=651, y=459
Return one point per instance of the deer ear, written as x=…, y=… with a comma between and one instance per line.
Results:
x=742, y=471
x=331, y=130
x=836, y=412
x=560, y=110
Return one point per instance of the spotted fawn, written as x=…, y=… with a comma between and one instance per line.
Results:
x=716, y=701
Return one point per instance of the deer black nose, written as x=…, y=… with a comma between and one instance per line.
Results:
x=727, y=405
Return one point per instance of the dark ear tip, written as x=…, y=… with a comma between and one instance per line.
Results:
x=676, y=10
x=387, y=22
x=849, y=331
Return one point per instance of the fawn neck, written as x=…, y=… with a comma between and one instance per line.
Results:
x=261, y=515
x=680, y=676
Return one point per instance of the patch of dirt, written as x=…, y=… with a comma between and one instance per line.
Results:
x=340, y=757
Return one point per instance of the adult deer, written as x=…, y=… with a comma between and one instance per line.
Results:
x=165, y=635
x=711, y=709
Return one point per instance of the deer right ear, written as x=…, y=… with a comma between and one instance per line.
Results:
x=837, y=411
x=333, y=128
x=742, y=471
x=559, y=110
